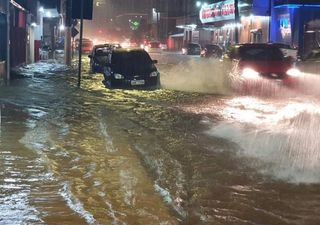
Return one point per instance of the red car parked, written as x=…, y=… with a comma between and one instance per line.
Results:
x=252, y=61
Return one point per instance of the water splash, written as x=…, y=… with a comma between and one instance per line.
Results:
x=283, y=136
x=198, y=75
x=75, y=204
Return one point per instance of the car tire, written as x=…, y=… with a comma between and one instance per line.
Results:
x=157, y=85
x=92, y=71
x=108, y=83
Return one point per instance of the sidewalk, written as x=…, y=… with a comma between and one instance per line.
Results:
x=42, y=68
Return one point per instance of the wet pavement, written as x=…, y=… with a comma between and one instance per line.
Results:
x=190, y=153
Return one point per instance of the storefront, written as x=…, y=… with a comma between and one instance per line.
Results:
x=252, y=23
x=296, y=23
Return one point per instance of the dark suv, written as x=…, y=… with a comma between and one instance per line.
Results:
x=131, y=68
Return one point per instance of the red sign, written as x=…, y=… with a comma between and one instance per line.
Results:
x=218, y=12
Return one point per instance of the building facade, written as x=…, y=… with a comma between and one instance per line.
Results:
x=296, y=23
x=248, y=24
x=3, y=39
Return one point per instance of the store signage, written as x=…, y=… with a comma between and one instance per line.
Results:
x=220, y=11
x=285, y=26
x=289, y=2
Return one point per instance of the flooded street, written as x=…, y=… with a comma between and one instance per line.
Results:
x=179, y=155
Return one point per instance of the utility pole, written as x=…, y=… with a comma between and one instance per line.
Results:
x=237, y=21
x=8, y=43
x=80, y=42
x=66, y=8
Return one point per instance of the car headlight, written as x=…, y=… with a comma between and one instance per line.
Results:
x=118, y=76
x=293, y=72
x=250, y=73
x=154, y=74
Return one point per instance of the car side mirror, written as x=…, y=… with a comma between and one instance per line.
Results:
x=155, y=61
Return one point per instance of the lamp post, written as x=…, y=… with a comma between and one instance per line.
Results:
x=8, y=42
x=237, y=21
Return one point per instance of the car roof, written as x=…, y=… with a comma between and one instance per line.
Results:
x=102, y=45
x=213, y=45
x=126, y=50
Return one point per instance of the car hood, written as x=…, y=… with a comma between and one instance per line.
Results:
x=266, y=66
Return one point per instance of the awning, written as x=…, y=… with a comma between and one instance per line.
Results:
x=177, y=35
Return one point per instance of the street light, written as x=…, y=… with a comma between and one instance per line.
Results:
x=200, y=4
x=48, y=14
x=62, y=27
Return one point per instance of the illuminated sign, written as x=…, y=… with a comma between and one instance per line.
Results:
x=220, y=11
x=285, y=26
x=289, y=2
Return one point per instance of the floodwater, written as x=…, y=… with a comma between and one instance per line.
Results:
x=170, y=156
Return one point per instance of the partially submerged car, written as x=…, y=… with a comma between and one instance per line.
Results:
x=252, y=61
x=153, y=47
x=212, y=51
x=87, y=45
x=131, y=68
x=99, y=56
x=191, y=49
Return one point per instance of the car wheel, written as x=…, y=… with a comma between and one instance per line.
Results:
x=108, y=83
x=157, y=85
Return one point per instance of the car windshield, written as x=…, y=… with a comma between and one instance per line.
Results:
x=261, y=53
x=194, y=45
x=128, y=62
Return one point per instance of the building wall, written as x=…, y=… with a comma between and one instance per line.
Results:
x=255, y=29
x=3, y=39
x=290, y=26
x=18, y=36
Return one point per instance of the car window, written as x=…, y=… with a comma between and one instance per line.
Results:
x=131, y=62
x=102, y=51
x=260, y=53
x=130, y=57
x=193, y=46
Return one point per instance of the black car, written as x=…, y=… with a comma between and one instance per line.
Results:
x=191, y=49
x=131, y=68
x=212, y=51
x=98, y=56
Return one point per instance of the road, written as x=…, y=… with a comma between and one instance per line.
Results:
x=194, y=152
